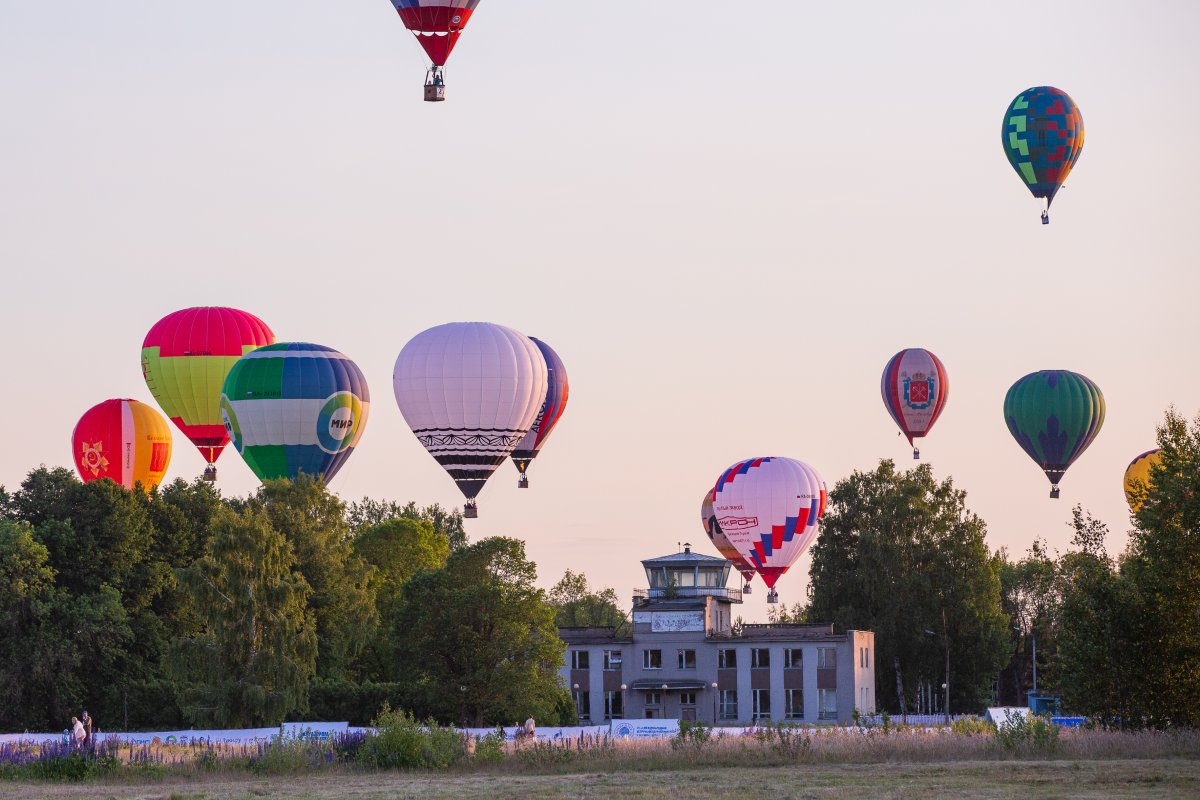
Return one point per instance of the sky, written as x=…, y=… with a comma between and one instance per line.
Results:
x=725, y=223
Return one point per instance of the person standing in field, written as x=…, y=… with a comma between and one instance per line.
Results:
x=77, y=732
x=530, y=729
x=87, y=729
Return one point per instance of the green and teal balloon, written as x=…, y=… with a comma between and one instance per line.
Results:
x=1054, y=415
x=295, y=407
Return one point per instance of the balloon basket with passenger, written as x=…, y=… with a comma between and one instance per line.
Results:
x=772, y=597
x=210, y=474
x=470, y=510
x=435, y=85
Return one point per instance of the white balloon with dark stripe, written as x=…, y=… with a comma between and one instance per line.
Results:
x=470, y=391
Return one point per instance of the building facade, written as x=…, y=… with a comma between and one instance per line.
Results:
x=684, y=660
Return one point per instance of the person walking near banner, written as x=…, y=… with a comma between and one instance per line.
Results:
x=77, y=733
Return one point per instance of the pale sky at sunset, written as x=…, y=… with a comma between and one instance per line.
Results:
x=725, y=220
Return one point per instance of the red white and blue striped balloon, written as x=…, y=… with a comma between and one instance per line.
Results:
x=914, y=391
x=437, y=24
x=768, y=508
x=551, y=411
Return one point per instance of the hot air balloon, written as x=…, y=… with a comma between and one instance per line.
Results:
x=768, y=508
x=709, y=519
x=552, y=408
x=1137, y=478
x=295, y=407
x=1042, y=135
x=185, y=359
x=1054, y=415
x=470, y=391
x=437, y=24
x=124, y=440
x=915, y=390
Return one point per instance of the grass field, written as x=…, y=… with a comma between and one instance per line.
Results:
x=1164, y=778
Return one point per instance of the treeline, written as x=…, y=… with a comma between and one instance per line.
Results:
x=1118, y=639
x=180, y=607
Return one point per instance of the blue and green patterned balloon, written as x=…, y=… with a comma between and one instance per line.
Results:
x=295, y=407
x=1054, y=415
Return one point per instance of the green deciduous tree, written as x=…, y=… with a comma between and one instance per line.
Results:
x=343, y=602
x=1163, y=564
x=252, y=663
x=397, y=548
x=445, y=522
x=480, y=640
x=1030, y=597
x=896, y=551
x=577, y=606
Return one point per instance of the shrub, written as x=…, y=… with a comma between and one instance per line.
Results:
x=692, y=735
x=400, y=742
x=490, y=749
x=789, y=741
x=1027, y=734
x=972, y=726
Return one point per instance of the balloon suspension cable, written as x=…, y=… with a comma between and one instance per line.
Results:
x=470, y=510
x=523, y=481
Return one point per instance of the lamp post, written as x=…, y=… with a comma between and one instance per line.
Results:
x=714, y=691
x=623, y=688
x=577, y=709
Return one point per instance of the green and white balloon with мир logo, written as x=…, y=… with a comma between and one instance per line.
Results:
x=295, y=407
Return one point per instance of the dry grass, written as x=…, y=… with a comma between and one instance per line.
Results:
x=1171, y=778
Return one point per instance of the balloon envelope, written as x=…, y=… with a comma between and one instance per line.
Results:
x=1137, y=478
x=1042, y=135
x=185, y=358
x=437, y=24
x=1054, y=415
x=124, y=440
x=470, y=391
x=551, y=410
x=708, y=518
x=769, y=508
x=915, y=389
x=295, y=407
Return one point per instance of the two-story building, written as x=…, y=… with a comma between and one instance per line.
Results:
x=685, y=659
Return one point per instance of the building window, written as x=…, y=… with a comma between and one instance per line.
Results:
x=652, y=659
x=687, y=659
x=727, y=659
x=793, y=703
x=827, y=703
x=687, y=698
x=583, y=705
x=729, y=704
x=760, y=658
x=579, y=659
x=612, y=660
x=826, y=658
x=614, y=705
x=762, y=703
x=793, y=658
x=654, y=698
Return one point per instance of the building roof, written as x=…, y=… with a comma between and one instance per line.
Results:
x=592, y=635
x=777, y=632
x=687, y=557
x=675, y=604
x=670, y=685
